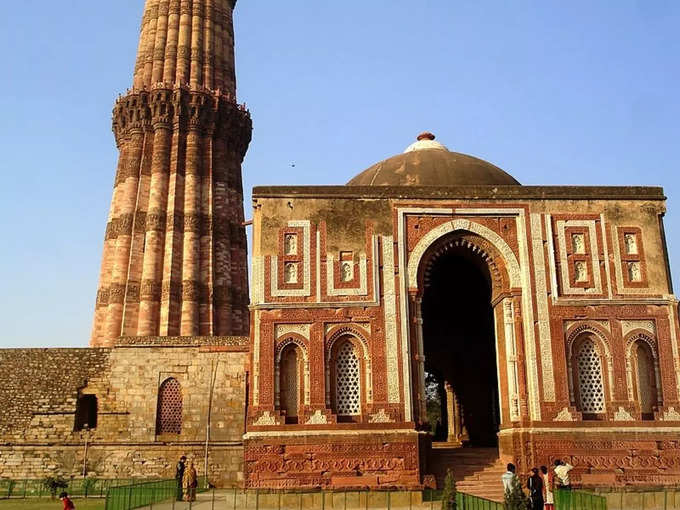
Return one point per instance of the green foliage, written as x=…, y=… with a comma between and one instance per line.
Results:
x=89, y=485
x=515, y=499
x=433, y=402
x=449, y=494
x=54, y=484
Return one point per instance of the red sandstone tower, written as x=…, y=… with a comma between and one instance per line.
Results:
x=174, y=259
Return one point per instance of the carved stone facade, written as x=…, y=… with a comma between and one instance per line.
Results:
x=567, y=327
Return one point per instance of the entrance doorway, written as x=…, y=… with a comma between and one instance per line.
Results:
x=459, y=344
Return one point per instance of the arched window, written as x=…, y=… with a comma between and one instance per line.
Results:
x=169, y=412
x=86, y=413
x=644, y=379
x=290, y=382
x=347, y=380
x=589, y=379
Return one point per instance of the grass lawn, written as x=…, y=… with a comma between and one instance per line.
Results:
x=47, y=504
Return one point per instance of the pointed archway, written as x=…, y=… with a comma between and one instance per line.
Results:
x=459, y=344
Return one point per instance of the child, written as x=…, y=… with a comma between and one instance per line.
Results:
x=68, y=504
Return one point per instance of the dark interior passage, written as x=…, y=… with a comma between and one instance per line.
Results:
x=459, y=343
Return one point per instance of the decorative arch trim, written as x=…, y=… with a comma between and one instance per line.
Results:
x=290, y=339
x=482, y=254
x=589, y=327
x=603, y=342
x=359, y=337
x=436, y=233
x=286, y=340
x=345, y=330
x=644, y=336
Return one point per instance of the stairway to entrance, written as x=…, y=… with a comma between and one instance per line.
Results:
x=477, y=471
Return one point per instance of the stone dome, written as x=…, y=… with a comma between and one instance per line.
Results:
x=429, y=163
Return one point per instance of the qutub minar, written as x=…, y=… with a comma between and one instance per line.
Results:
x=430, y=313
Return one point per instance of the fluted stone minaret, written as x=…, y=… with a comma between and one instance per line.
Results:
x=174, y=259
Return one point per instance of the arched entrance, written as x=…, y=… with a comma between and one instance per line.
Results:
x=459, y=342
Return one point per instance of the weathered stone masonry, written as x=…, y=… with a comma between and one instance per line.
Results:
x=40, y=387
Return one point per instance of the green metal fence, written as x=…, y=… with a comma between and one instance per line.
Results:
x=470, y=502
x=641, y=498
x=578, y=500
x=142, y=494
x=79, y=487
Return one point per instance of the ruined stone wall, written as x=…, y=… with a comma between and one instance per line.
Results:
x=40, y=389
x=41, y=386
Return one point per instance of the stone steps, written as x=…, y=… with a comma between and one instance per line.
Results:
x=477, y=471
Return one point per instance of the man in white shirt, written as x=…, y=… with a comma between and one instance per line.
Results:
x=562, y=474
x=508, y=477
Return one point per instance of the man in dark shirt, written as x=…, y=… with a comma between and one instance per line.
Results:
x=179, y=475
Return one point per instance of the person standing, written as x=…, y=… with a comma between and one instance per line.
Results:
x=562, y=474
x=179, y=476
x=508, y=477
x=548, y=483
x=535, y=486
x=190, y=482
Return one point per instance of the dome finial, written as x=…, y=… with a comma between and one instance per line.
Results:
x=425, y=135
x=425, y=140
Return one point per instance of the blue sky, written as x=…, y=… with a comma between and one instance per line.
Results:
x=576, y=92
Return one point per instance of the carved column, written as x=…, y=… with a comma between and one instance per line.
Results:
x=150, y=289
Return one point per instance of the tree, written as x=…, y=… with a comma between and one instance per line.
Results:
x=449, y=494
x=54, y=484
x=515, y=499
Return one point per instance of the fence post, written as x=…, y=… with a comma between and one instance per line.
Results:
x=213, y=499
x=235, y=498
x=323, y=500
x=665, y=499
x=24, y=496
